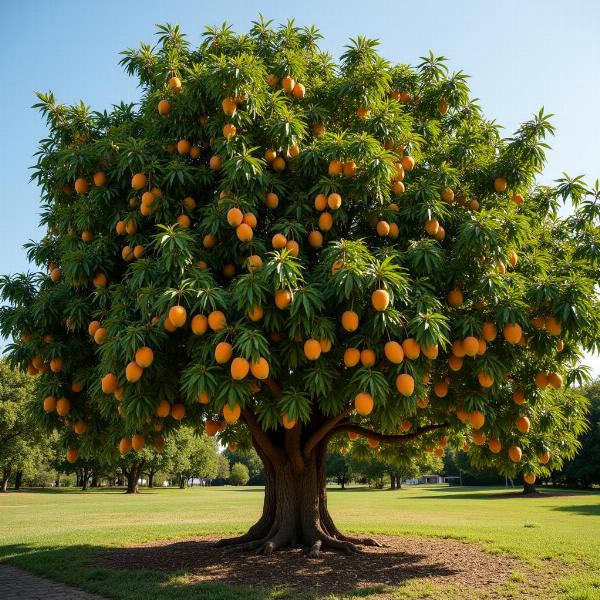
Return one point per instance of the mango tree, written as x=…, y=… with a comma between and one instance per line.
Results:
x=283, y=249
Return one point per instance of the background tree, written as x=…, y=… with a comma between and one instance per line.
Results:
x=83, y=468
x=557, y=423
x=406, y=465
x=584, y=468
x=22, y=446
x=339, y=467
x=239, y=474
x=457, y=464
x=251, y=459
x=203, y=457
x=132, y=466
x=190, y=454
x=223, y=469
x=283, y=249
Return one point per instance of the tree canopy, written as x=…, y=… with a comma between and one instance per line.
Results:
x=239, y=474
x=283, y=248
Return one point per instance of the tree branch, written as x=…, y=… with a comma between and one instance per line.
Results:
x=385, y=438
x=274, y=387
x=262, y=439
x=323, y=430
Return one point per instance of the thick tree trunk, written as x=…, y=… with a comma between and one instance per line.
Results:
x=151, y=479
x=94, y=482
x=57, y=480
x=295, y=510
x=182, y=481
x=18, y=480
x=295, y=505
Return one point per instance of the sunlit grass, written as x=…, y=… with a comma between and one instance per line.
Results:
x=46, y=530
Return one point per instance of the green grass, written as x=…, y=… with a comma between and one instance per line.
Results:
x=57, y=532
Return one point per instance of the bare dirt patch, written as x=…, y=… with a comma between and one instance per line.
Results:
x=440, y=561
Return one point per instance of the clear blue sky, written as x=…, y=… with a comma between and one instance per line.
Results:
x=521, y=55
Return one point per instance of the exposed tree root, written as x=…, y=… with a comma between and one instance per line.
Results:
x=329, y=526
x=360, y=541
x=326, y=541
x=316, y=539
x=257, y=532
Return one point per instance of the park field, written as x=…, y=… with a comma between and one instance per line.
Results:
x=547, y=546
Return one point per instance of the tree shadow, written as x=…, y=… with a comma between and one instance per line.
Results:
x=197, y=569
x=591, y=510
x=494, y=493
x=72, y=491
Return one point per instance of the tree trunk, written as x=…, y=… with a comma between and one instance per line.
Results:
x=57, y=480
x=295, y=505
x=182, y=481
x=133, y=475
x=84, y=479
x=18, y=480
x=151, y=479
x=94, y=482
x=5, y=477
x=295, y=509
x=529, y=488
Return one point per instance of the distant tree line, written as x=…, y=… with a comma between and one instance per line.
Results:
x=29, y=457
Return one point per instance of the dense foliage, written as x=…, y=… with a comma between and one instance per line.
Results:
x=22, y=446
x=315, y=246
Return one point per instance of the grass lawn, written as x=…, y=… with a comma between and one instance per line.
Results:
x=58, y=532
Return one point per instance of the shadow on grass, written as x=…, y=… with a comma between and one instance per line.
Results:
x=591, y=510
x=494, y=493
x=89, y=492
x=196, y=569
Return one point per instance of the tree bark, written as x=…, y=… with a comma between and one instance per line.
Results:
x=150, y=479
x=18, y=480
x=5, y=477
x=133, y=475
x=295, y=509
